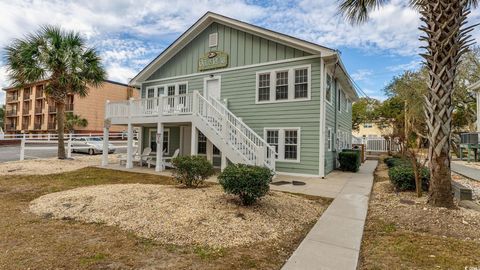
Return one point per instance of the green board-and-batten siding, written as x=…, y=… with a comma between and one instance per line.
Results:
x=242, y=48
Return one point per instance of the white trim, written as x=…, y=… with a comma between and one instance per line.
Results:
x=322, y=116
x=281, y=142
x=206, y=73
x=209, y=18
x=291, y=84
x=212, y=78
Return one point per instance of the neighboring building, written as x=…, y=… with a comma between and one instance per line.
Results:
x=29, y=110
x=371, y=130
x=234, y=91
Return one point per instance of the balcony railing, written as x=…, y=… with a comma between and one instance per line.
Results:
x=26, y=96
x=167, y=105
x=39, y=94
x=25, y=125
x=38, y=110
x=52, y=125
x=52, y=109
x=12, y=98
x=470, y=138
x=10, y=127
x=12, y=112
x=69, y=107
x=37, y=125
x=26, y=111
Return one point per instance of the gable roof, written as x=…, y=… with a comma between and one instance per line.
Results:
x=208, y=19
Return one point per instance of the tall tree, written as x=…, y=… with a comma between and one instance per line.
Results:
x=62, y=58
x=447, y=39
x=363, y=111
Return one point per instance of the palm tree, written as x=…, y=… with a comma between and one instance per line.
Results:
x=74, y=120
x=62, y=58
x=447, y=39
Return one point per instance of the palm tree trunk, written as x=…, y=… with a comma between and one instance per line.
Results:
x=60, y=129
x=447, y=41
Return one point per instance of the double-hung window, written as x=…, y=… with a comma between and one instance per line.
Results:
x=202, y=144
x=281, y=86
x=288, y=84
x=264, y=87
x=301, y=83
x=328, y=89
x=286, y=142
x=330, y=139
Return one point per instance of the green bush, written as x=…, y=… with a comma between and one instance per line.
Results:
x=349, y=160
x=396, y=161
x=192, y=171
x=403, y=177
x=248, y=182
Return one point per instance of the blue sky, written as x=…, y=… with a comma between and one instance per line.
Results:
x=130, y=33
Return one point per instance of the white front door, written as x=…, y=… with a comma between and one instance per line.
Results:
x=212, y=87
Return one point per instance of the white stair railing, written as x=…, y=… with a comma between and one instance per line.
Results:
x=235, y=132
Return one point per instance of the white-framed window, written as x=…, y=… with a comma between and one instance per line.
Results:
x=328, y=88
x=286, y=142
x=283, y=85
x=339, y=99
x=330, y=139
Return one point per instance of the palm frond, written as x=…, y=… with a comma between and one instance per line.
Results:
x=357, y=11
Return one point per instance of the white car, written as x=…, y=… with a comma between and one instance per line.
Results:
x=90, y=145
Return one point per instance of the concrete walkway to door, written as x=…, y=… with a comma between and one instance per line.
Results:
x=334, y=241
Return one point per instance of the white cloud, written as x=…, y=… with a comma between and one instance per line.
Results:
x=129, y=34
x=362, y=74
x=412, y=65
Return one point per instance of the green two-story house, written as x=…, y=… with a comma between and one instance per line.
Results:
x=239, y=93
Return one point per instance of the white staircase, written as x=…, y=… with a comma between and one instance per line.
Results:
x=231, y=135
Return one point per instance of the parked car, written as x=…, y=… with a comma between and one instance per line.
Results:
x=90, y=145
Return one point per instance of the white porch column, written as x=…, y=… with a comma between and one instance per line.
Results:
x=223, y=163
x=159, y=166
x=129, y=146
x=105, y=145
x=194, y=138
x=209, y=151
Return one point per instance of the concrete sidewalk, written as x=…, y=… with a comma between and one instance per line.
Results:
x=466, y=171
x=334, y=241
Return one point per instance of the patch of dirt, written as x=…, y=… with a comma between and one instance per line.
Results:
x=403, y=232
x=51, y=165
x=180, y=216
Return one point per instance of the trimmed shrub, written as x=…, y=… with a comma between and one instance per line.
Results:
x=248, y=182
x=349, y=160
x=396, y=161
x=192, y=171
x=403, y=177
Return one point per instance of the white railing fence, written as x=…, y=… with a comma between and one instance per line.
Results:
x=376, y=144
x=50, y=142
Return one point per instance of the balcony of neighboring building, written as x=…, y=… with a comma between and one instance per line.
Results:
x=69, y=107
x=12, y=97
x=27, y=94
x=26, y=124
x=52, y=125
x=12, y=112
x=10, y=126
x=52, y=108
x=39, y=93
x=37, y=125
x=26, y=109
